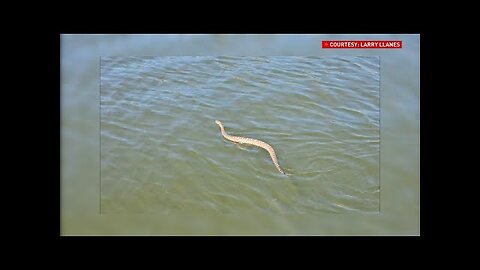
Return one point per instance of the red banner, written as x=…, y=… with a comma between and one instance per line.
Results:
x=362, y=44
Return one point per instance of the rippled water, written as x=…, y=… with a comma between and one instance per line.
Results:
x=161, y=150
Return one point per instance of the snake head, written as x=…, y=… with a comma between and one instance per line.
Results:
x=218, y=122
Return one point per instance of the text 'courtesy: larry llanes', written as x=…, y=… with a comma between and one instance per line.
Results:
x=362, y=44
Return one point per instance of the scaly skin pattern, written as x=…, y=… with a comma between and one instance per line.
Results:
x=255, y=142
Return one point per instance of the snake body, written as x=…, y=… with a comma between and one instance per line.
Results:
x=250, y=141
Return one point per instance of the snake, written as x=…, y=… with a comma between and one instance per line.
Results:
x=255, y=142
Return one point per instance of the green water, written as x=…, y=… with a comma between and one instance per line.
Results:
x=141, y=154
x=161, y=150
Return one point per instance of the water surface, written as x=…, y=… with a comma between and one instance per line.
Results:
x=161, y=151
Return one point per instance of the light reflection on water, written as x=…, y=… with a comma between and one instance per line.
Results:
x=159, y=140
x=325, y=130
